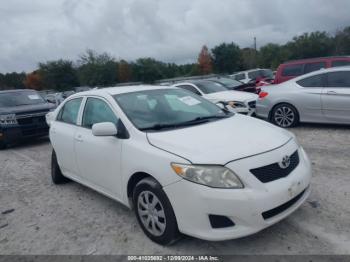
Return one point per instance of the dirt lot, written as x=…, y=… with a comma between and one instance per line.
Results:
x=37, y=217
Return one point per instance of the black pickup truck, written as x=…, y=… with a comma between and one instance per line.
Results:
x=22, y=116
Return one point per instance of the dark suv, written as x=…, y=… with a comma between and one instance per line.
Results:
x=22, y=115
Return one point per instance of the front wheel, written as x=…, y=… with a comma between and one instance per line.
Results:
x=285, y=115
x=154, y=212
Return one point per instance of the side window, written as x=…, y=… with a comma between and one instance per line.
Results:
x=97, y=111
x=292, y=70
x=191, y=89
x=314, y=67
x=312, y=81
x=340, y=63
x=339, y=79
x=69, y=111
x=253, y=74
x=239, y=77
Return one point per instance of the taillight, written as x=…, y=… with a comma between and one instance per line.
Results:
x=263, y=94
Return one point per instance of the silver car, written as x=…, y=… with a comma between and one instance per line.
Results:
x=318, y=97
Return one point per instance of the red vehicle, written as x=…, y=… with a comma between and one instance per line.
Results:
x=291, y=69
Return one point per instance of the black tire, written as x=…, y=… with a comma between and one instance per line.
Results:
x=171, y=233
x=56, y=174
x=284, y=115
x=3, y=145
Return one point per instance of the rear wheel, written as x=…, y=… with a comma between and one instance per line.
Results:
x=56, y=174
x=285, y=115
x=154, y=212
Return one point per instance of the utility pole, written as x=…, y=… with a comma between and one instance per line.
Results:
x=255, y=53
x=255, y=44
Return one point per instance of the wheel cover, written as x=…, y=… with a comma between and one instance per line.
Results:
x=284, y=116
x=151, y=213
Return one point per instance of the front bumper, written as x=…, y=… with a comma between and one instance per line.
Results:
x=193, y=203
x=16, y=133
x=263, y=109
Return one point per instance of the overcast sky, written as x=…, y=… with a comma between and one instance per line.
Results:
x=33, y=31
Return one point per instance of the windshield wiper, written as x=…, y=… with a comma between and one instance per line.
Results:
x=197, y=120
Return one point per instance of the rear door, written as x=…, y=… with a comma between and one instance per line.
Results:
x=62, y=133
x=336, y=97
x=309, y=97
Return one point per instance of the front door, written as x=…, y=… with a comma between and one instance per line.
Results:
x=336, y=97
x=98, y=158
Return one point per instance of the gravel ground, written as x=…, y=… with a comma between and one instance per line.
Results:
x=37, y=217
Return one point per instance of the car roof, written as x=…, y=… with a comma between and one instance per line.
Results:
x=251, y=70
x=196, y=81
x=120, y=90
x=16, y=90
x=321, y=71
x=297, y=61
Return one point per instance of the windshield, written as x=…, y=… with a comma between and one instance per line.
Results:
x=208, y=87
x=11, y=99
x=265, y=73
x=167, y=108
x=228, y=82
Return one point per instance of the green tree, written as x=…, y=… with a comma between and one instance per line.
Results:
x=342, y=42
x=226, y=58
x=12, y=81
x=308, y=45
x=271, y=56
x=148, y=70
x=97, y=69
x=58, y=75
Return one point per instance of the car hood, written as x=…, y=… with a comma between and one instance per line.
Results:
x=27, y=109
x=222, y=141
x=228, y=96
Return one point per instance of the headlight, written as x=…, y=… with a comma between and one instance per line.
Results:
x=9, y=119
x=212, y=176
x=236, y=104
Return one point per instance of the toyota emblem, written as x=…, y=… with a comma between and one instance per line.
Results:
x=285, y=163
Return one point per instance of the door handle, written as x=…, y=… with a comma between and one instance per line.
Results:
x=79, y=138
x=331, y=93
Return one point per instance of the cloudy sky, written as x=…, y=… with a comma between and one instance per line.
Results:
x=33, y=31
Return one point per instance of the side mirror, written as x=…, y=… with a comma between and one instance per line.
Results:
x=104, y=129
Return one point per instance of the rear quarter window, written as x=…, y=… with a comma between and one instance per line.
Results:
x=312, y=81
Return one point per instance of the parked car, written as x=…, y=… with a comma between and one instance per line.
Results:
x=233, y=84
x=55, y=98
x=319, y=97
x=181, y=162
x=253, y=75
x=22, y=116
x=291, y=69
x=237, y=101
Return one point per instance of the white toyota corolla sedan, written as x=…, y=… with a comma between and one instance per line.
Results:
x=184, y=164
